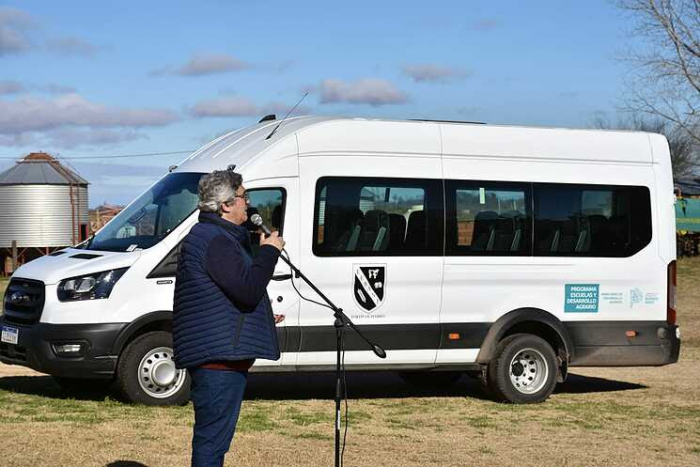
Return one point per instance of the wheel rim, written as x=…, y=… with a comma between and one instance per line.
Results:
x=528, y=371
x=158, y=376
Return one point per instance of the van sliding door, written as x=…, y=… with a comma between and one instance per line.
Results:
x=373, y=245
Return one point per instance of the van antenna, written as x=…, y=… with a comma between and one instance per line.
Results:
x=285, y=117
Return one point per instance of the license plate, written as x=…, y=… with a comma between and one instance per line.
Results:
x=9, y=335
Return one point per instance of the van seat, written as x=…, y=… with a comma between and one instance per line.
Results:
x=508, y=231
x=485, y=231
x=415, y=232
x=373, y=235
x=397, y=231
x=600, y=237
x=346, y=225
x=568, y=235
x=583, y=243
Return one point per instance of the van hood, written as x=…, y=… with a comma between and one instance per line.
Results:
x=72, y=262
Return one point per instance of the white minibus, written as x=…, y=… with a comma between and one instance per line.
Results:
x=506, y=252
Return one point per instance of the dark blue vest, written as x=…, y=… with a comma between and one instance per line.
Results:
x=209, y=324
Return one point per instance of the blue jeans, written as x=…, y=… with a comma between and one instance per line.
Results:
x=217, y=396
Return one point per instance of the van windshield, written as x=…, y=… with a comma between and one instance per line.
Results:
x=152, y=216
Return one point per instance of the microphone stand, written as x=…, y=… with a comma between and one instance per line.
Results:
x=341, y=320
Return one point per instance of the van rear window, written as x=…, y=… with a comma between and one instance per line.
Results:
x=591, y=220
x=488, y=218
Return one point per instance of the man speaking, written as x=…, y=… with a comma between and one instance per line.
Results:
x=222, y=317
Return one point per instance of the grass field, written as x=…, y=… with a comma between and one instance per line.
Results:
x=599, y=417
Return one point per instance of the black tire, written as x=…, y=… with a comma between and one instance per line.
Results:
x=431, y=379
x=530, y=378
x=148, y=381
x=83, y=386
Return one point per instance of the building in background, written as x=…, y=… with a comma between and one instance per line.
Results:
x=103, y=214
x=43, y=207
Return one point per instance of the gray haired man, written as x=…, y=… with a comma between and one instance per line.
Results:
x=222, y=320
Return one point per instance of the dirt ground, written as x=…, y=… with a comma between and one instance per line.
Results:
x=636, y=417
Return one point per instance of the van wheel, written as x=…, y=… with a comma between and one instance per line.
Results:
x=524, y=370
x=431, y=379
x=146, y=372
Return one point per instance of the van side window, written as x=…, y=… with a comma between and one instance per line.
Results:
x=269, y=203
x=373, y=217
x=591, y=220
x=488, y=218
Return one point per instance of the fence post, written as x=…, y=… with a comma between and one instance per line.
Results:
x=14, y=256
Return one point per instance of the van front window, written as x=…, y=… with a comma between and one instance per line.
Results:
x=269, y=204
x=152, y=216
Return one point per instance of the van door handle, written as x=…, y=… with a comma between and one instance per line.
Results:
x=281, y=277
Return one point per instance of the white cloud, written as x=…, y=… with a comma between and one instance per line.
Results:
x=17, y=140
x=14, y=26
x=15, y=87
x=11, y=87
x=280, y=109
x=71, y=110
x=430, y=73
x=205, y=64
x=370, y=91
x=73, y=138
x=15, y=17
x=240, y=107
x=224, y=107
x=71, y=46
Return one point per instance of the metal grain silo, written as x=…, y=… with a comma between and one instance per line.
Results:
x=43, y=205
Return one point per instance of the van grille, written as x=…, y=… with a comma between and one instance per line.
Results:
x=13, y=352
x=24, y=301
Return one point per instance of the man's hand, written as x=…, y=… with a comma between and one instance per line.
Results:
x=278, y=318
x=274, y=239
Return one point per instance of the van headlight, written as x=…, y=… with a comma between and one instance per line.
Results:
x=90, y=286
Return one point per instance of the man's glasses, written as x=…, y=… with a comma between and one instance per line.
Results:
x=244, y=196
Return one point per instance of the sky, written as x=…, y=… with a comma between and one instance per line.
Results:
x=85, y=79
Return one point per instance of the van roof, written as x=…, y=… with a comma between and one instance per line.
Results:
x=313, y=136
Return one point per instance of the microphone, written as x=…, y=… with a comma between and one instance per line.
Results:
x=258, y=222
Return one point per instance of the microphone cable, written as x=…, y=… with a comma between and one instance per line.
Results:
x=342, y=357
x=295, y=287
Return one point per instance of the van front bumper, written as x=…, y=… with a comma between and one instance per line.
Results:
x=46, y=348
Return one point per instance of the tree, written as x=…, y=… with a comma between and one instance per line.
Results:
x=684, y=149
x=665, y=82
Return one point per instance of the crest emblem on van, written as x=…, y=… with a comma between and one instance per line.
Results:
x=369, y=285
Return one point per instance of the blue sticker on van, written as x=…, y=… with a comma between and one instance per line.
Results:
x=581, y=298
